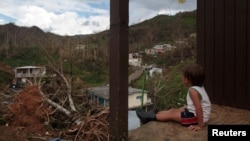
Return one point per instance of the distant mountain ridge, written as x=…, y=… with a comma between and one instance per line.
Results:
x=161, y=27
x=88, y=55
x=15, y=40
x=25, y=35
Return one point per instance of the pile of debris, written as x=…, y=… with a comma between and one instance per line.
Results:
x=30, y=112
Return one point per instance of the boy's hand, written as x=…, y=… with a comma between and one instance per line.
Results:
x=194, y=128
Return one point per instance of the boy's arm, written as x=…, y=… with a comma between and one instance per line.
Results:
x=196, y=98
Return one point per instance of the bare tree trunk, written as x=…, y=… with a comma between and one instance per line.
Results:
x=57, y=106
x=68, y=85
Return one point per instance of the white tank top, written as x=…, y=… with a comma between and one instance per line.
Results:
x=205, y=103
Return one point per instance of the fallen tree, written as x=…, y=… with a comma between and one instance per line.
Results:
x=33, y=107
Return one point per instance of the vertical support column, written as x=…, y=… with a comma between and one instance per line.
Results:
x=118, y=70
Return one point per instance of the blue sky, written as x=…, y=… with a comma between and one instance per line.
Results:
x=74, y=17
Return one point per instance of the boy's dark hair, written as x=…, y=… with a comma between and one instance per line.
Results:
x=194, y=73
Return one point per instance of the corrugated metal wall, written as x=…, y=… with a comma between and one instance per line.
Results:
x=223, y=39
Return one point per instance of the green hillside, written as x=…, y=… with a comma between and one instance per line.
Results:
x=31, y=46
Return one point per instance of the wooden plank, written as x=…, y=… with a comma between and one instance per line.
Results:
x=219, y=51
x=248, y=57
x=118, y=70
x=235, y=75
x=229, y=53
x=240, y=54
x=201, y=7
x=209, y=48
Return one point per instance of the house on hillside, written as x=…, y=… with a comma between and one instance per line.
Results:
x=27, y=72
x=100, y=96
x=80, y=47
x=151, y=71
x=135, y=59
x=150, y=51
x=158, y=49
x=164, y=47
x=169, y=47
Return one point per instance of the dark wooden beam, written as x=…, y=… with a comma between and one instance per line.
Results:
x=118, y=70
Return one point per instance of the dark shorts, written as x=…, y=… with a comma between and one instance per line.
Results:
x=188, y=118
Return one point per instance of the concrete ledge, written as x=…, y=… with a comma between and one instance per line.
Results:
x=171, y=131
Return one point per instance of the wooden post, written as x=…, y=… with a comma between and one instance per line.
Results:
x=118, y=71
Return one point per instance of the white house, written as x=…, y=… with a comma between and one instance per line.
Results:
x=80, y=47
x=169, y=47
x=27, y=72
x=158, y=49
x=150, y=51
x=151, y=71
x=100, y=95
x=135, y=59
x=154, y=71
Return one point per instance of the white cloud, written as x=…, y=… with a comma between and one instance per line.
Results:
x=2, y=22
x=70, y=17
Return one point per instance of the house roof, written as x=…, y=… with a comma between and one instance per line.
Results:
x=103, y=91
x=159, y=46
x=28, y=67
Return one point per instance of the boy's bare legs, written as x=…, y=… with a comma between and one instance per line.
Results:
x=171, y=114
